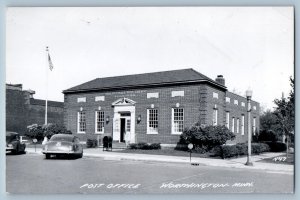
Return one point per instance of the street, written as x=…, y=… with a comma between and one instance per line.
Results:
x=33, y=174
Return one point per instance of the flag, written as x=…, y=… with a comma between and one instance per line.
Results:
x=50, y=62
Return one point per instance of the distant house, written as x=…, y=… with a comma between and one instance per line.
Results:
x=155, y=107
x=23, y=110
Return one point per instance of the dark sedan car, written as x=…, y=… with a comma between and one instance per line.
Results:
x=13, y=143
x=63, y=144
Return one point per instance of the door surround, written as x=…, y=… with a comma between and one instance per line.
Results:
x=123, y=105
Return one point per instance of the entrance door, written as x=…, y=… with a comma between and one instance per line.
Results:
x=122, y=130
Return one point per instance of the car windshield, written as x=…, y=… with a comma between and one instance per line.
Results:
x=66, y=138
x=10, y=136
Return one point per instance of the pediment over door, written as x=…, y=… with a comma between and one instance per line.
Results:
x=123, y=102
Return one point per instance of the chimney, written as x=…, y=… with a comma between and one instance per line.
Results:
x=220, y=80
x=29, y=93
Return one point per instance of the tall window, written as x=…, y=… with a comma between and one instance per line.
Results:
x=177, y=120
x=254, y=125
x=227, y=119
x=81, y=122
x=152, y=121
x=232, y=127
x=99, y=122
x=215, y=117
x=243, y=125
x=237, y=125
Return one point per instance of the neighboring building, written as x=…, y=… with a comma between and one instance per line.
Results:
x=154, y=107
x=23, y=110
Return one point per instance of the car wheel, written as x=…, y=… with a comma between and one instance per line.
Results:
x=16, y=151
x=48, y=156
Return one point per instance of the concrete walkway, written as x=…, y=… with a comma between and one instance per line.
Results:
x=233, y=163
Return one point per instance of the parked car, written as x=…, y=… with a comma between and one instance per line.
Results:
x=13, y=143
x=63, y=144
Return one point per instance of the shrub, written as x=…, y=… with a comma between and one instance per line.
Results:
x=264, y=147
x=229, y=151
x=255, y=148
x=268, y=135
x=239, y=149
x=242, y=149
x=181, y=147
x=216, y=151
x=155, y=146
x=132, y=146
x=276, y=146
x=91, y=143
x=206, y=137
x=144, y=146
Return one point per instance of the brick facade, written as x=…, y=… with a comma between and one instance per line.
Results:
x=23, y=110
x=199, y=102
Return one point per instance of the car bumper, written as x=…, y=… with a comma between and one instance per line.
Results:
x=9, y=148
x=59, y=152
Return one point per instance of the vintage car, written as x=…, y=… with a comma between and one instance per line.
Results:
x=13, y=143
x=63, y=144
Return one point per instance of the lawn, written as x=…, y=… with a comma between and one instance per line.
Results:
x=282, y=159
x=167, y=152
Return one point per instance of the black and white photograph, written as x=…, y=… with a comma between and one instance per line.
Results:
x=150, y=100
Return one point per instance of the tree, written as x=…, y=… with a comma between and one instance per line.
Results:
x=285, y=112
x=52, y=129
x=206, y=137
x=40, y=131
x=269, y=124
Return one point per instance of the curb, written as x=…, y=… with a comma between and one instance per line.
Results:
x=227, y=165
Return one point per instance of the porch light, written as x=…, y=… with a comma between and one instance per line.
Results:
x=107, y=119
x=139, y=118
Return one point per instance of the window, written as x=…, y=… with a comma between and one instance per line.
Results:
x=215, y=117
x=152, y=121
x=215, y=95
x=243, y=104
x=227, y=119
x=128, y=121
x=254, y=125
x=152, y=95
x=81, y=99
x=236, y=102
x=243, y=125
x=177, y=93
x=177, y=120
x=254, y=107
x=237, y=125
x=99, y=122
x=232, y=127
x=100, y=98
x=81, y=122
x=228, y=99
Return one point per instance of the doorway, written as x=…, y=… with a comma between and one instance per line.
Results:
x=122, y=130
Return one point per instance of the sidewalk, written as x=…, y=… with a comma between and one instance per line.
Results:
x=233, y=163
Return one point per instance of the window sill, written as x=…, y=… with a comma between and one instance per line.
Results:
x=99, y=133
x=152, y=133
x=80, y=132
x=176, y=133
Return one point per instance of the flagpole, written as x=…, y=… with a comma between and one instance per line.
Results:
x=46, y=101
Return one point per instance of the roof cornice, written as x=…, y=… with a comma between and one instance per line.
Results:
x=69, y=91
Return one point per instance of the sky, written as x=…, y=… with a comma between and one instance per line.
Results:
x=252, y=47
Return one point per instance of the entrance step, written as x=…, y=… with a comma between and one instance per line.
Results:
x=118, y=145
